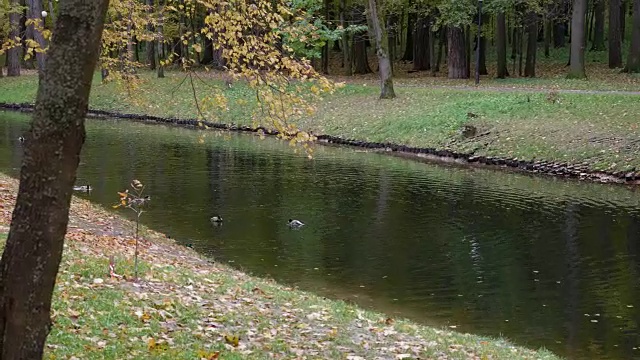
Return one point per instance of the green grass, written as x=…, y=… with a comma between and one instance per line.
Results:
x=600, y=129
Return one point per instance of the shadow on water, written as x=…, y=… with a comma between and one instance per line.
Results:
x=543, y=262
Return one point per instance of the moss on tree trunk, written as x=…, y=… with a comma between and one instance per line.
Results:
x=33, y=252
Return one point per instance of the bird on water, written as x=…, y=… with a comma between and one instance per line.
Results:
x=295, y=223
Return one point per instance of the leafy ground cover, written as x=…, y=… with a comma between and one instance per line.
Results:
x=189, y=307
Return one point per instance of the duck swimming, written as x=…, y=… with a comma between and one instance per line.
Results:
x=85, y=188
x=295, y=223
x=216, y=219
x=21, y=139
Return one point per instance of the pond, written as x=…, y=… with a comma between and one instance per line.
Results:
x=544, y=262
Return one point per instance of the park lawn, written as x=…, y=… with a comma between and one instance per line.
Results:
x=599, y=129
x=189, y=307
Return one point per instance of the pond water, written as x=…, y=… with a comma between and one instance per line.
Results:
x=541, y=261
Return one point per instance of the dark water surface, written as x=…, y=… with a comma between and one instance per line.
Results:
x=543, y=262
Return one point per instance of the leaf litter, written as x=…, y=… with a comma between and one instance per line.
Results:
x=185, y=306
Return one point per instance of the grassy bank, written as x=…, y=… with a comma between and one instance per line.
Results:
x=188, y=307
x=600, y=129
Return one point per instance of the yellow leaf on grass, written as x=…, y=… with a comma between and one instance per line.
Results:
x=232, y=340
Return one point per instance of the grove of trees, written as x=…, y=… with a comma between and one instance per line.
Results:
x=426, y=33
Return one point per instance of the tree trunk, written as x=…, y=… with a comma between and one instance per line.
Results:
x=559, y=31
x=441, y=47
x=347, y=60
x=325, y=48
x=598, y=31
x=160, y=41
x=384, y=63
x=361, y=63
x=457, y=59
x=421, y=44
x=411, y=28
x=14, y=54
x=151, y=45
x=576, y=67
x=35, y=13
x=52, y=13
x=532, y=44
x=432, y=51
x=467, y=52
x=501, y=45
x=547, y=36
x=483, y=49
x=633, y=59
x=392, y=25
x=623, y=19
x=615, y=39
x=33, y=250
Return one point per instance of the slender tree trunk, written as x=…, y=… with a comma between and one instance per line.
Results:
x=52, y=13
x=421, y=44
x=547, y=36
x=633, y=59
x=346, y=42
x=35, y=13
x=441, y=47
x=576, y=67
x=160, y=41
x=559, y=31
x=33, y=251
x=392, y=25
x=151, y=45
x=432, y=51
x=325, y=48
x=590, y=17
x=598, y=31
x=623, y=19
x=360, y=60
x=483, y=49
x=532, y=44
x=14, y=54
x=501, y=46
x=411, y=30
x=382, y=51
x=457, y=59
x=615, y=38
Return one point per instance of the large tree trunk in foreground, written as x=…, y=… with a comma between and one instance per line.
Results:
x=382, y=50
x=13, y=54
x=457, y=59
x=633, y=59
x=52, y=152
x=576, y=62
x=615, y=40
x=501, y=46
